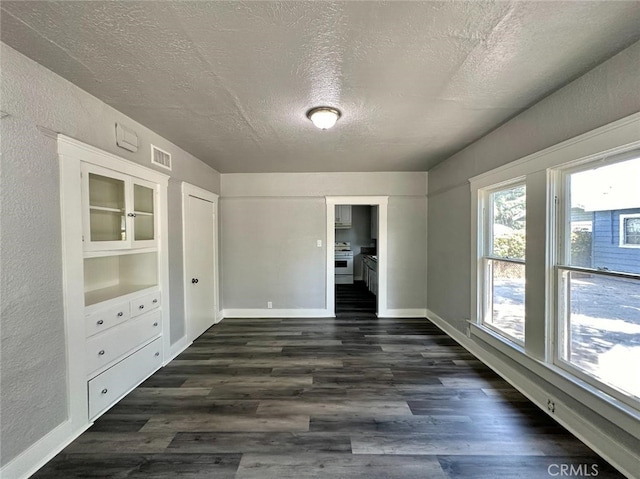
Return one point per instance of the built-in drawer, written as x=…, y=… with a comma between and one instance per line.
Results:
x=107, y=347
x=102, y=320
x=110, y=386
x=145, y=303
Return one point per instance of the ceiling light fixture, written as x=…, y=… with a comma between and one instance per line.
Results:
x=323, y=117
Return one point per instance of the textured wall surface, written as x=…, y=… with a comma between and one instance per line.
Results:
x=33, y=341
x=270, y=224
x=33, y=367
x=607, y=93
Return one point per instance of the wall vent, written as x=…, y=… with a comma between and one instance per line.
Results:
x=160, y=157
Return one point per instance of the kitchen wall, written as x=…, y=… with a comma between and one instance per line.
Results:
x=33, y=367
x=607, y=93
x=270, y=223
x=358, y=235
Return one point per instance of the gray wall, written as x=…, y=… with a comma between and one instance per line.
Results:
x=605, y=94
x=32, y=372
x=270, y=224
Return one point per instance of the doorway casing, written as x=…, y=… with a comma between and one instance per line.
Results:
x=381, y=202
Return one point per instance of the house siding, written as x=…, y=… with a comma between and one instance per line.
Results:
x=607, y=252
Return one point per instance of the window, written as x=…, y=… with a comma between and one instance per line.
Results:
x=504, y=261
x=630, y=230
x=599, y=274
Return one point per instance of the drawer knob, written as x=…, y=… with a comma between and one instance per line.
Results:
x=100, y=322
x=104, y=391
x=157, y=354
x=141, y=306
x=155, y=324
x=120, y=314
x=101, y=352
x=154, y=301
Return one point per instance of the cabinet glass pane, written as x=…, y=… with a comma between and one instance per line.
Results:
x=143, y=207
x=107, y=225
x=106, y=208
x=142, y=199
x=143, y=227
x=106, y=192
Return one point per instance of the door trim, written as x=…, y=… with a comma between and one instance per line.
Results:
x=191, y=190
x=382, y=203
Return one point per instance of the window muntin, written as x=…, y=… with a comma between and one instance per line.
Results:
x=504, y=261
x=630, y=230
x=598, y=283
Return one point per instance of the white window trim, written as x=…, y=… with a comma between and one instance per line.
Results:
x=485, y=253
x=622, y=242
x=613, y=139
x=559, y=184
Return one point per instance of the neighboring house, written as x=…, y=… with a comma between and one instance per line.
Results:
x=606, y=239
x=616, y=240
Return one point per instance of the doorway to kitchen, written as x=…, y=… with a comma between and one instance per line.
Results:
x=356, y=255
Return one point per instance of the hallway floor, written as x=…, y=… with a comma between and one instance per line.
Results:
x=356, y=397
x=355, y=301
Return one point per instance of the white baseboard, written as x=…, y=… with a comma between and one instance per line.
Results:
x=403, y=313
x=219, y=316
x=177, y=347
x=616, y=453
x=278, y=313
x=38, y=454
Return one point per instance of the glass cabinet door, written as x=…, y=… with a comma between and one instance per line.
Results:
x=107, y=217
x=143, y=212
x=120, y=211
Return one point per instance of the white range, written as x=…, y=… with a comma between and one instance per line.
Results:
x=343, y=263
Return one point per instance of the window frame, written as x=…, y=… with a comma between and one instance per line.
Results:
x=486, y=256
x=540, y=170
x=560, y=216
x=623, y=235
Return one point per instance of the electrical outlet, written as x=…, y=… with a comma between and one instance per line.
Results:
x=319, y=243
x=269, y=305
x=551, y=406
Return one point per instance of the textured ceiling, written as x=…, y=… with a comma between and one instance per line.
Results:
x=230, y=82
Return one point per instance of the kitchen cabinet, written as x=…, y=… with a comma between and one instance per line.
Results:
x=370, y=273
x=374, y=222
x=116, y=282
x=343, y=217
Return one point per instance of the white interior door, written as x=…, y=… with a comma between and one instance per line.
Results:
x=200, y=249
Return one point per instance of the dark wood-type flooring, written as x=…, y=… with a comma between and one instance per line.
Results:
x=351, y=397
x=354, y=301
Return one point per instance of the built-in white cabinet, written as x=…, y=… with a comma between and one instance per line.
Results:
x=343, y=216
x=114, y=213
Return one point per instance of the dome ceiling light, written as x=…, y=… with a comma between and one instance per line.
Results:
x=323, y=117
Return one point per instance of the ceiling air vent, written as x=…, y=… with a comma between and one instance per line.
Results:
x=160, y=157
